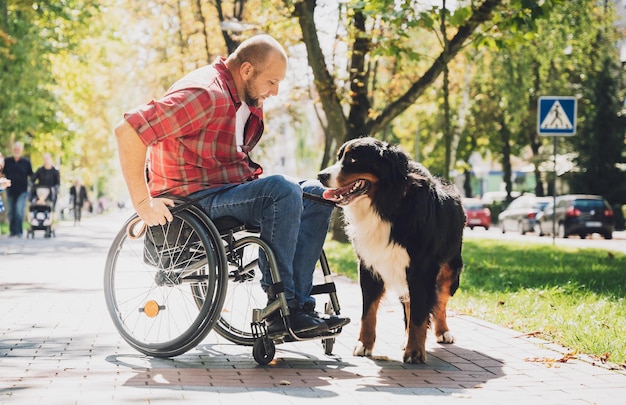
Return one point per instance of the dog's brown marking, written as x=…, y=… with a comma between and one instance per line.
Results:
x=444, y=282
x=367, y=335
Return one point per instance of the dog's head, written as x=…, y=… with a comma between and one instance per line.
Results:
x=365, y=167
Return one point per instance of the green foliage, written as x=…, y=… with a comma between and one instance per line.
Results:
x=532, y=52
x=68, y=73
x=33, y=33
x=600, y=140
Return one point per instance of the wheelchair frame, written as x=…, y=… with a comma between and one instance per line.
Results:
x=166, y=287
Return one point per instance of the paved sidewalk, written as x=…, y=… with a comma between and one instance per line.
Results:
x=59, y=346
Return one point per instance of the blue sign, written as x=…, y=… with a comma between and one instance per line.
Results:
x=556, y=116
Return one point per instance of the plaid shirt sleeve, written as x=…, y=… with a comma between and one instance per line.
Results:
x=178, y=114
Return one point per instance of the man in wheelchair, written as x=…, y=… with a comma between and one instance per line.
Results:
x=198, y=137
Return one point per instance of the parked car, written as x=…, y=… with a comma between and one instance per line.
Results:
x=477, y=214
x=521, y=214
x=578, y=214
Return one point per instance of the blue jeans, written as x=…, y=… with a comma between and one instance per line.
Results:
x=294, y=227
x=15, y=212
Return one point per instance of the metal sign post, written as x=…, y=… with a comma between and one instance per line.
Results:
x=556, y=117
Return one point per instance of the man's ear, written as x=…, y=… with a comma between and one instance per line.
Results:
x=246, y=70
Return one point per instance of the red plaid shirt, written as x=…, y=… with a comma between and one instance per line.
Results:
x=191, y=134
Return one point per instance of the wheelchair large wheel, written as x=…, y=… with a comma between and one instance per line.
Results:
x=244, y=292
x=164, y=286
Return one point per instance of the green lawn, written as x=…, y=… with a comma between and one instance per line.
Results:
x=574, y=297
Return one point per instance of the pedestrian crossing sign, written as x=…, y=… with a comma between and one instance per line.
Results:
x=556, y=116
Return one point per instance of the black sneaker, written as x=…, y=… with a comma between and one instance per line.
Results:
x=332, y=321
x=300, y=322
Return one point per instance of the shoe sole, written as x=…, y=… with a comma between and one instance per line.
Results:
x=339, y=324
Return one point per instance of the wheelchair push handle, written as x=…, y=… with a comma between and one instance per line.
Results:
x=135, y=228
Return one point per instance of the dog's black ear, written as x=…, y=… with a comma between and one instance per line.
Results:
x=394, y=175
x=398, y=164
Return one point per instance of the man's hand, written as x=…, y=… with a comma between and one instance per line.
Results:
x=155, y=211
x=4, y=182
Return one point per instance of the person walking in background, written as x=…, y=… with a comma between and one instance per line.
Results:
x=78, y=196
x=4, y=183
x=47, y=176
x=18, y=170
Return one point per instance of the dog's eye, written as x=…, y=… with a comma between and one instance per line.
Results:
x=351, y=160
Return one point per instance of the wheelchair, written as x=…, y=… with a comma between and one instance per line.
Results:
x=167, y=286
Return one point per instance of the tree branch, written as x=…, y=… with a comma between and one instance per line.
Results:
x=479, y=16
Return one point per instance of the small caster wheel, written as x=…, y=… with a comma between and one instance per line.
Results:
x=263, y=351
x=328, y=345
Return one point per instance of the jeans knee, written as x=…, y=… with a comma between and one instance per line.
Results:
x=312, y=186
x=282, y=188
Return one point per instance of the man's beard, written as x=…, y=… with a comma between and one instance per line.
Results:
x=248, y=92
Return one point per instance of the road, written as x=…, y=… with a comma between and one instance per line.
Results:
x=618, y=243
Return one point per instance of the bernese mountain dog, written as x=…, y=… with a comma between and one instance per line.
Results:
x=406, y=227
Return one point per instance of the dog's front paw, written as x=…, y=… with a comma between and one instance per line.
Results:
x=445, y=337
x=361, y=350
x=414, y=356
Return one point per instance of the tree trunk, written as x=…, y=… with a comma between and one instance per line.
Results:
x=359, y=78
x=505, y=135
x=447, y=133
x=324, y=83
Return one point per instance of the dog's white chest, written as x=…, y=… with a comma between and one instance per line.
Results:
x=370, y=237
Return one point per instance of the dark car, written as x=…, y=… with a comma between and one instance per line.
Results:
x=521, y=214
x=477, y=213
x=578, y=214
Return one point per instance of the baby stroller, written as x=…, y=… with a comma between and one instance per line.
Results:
x=41, y=214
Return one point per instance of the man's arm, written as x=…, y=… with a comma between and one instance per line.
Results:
x=132, y=155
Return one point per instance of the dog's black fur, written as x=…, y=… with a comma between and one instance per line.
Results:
x=406, y=227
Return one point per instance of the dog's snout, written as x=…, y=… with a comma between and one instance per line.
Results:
x=323, y=178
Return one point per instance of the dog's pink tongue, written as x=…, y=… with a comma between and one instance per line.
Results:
x=330, y=194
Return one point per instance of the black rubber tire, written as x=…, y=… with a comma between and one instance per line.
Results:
x=263, y=351
x=166, y=309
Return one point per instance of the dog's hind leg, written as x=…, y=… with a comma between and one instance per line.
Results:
x=372, y=289
x=447, y=283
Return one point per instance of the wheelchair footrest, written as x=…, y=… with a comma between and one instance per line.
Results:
x=326, y=288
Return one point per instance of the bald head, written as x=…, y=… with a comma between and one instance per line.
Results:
x=259, y=51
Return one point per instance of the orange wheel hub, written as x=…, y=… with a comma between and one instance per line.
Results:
x=151, y=309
